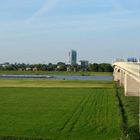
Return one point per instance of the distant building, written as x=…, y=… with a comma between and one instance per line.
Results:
x=68, y=68
x=132, y=59
x=28, y=69
x=83, y=63
x=21, y=69
x=72, y=57
x=5, y=64
x=34, y=69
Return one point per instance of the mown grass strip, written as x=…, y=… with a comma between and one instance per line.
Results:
x=56, y=83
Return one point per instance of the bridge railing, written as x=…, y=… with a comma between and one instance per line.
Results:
x=135, y=67
x=132, y=67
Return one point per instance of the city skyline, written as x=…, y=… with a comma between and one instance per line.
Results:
x=43, y=31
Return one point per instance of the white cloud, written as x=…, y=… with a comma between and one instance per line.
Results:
x=46, y=6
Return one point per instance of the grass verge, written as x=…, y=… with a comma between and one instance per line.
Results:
x=129, y=109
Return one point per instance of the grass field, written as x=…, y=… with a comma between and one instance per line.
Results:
x=72, y=110
x=76, y=114
x=58, y=73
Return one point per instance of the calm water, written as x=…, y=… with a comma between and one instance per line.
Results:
x=76, y=77
x=63, y=77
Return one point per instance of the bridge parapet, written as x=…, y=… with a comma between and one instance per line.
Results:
x=128, y=75
x=133, y=68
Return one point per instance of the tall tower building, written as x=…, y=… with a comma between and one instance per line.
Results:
x=72, y=57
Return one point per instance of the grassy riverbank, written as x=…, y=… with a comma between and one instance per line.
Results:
x=56, y=83
x=58, y=73
x=129, y=109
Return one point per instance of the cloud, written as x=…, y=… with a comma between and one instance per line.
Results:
x=46, y=6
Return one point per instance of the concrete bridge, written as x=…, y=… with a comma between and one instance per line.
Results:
x=128, y=75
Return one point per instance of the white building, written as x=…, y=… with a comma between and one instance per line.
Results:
x=83, y=63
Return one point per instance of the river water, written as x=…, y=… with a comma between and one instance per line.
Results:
x=77, y=77
x=63, y=77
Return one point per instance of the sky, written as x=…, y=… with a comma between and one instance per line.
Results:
x=44, y=31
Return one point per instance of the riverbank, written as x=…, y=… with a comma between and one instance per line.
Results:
x=129, y=111
x=58, y=73
x=55, y=83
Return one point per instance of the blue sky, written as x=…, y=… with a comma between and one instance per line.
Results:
x=43, y=31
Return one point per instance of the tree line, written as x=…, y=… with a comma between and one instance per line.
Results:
x=60, y=66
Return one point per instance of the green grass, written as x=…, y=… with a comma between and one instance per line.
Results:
x=59, y=113
x=130, y=114
x=58, y=73
x=56, y=83
x=66, y=110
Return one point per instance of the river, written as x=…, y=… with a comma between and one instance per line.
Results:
x=63, y=77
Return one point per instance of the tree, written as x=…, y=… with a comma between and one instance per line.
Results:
x=93, y=67
x=105, y=67
x=51, y=67
x=61, y=66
